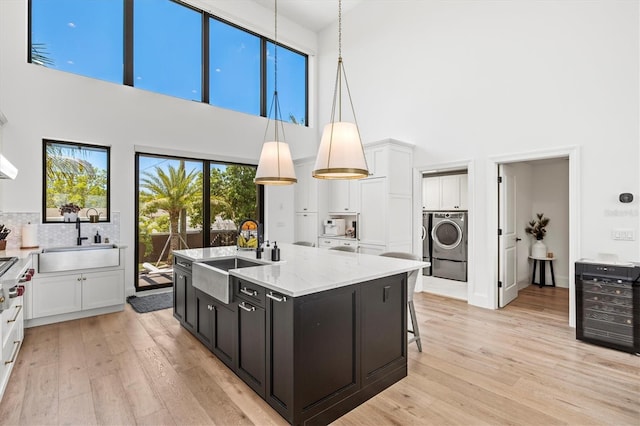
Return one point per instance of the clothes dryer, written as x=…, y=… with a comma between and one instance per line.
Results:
x=449, y=250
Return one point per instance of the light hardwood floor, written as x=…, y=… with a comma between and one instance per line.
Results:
x=521, y=365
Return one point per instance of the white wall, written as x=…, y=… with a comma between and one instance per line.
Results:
x=468, y=81
x=45, y=103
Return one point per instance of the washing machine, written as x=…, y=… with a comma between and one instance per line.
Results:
x=449, y=245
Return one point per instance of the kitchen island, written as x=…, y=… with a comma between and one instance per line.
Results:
x=315, y=334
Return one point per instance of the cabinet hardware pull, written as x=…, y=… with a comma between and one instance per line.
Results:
x=184, y=265
x=210, y=307
x=247, y=308
x=78, y=279
x=272, y=296
x=19, y=308
x=248, y=292
x=15, y=352
x=84, y=278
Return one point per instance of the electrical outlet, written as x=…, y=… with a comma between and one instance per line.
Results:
x=623, y=234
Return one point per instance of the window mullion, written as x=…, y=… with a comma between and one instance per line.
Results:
x=263, y=76
x=205, y=58
x=128, y=43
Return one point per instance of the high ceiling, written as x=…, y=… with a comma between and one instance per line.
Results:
x=311, y=14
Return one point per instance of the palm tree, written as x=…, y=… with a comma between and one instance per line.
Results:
x=63, y=161
x=171, y=191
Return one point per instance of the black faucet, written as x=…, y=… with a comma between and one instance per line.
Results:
x=79, y=239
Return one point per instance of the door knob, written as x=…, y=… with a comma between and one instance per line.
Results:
x=518, y=239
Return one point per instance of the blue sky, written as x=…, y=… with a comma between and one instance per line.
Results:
x=149, y=163
x=86, y=37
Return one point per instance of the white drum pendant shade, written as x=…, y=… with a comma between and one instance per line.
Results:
x=340, y=155
x=276, y=165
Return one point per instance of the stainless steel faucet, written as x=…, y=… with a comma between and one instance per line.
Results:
x=79, y=239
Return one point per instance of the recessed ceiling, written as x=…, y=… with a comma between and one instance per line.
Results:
x=311, y=14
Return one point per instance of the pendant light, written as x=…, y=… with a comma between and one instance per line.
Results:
x=341, y=154
x=275, y=166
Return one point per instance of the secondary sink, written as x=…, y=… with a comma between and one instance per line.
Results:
x=212, y=276
x=57, y=259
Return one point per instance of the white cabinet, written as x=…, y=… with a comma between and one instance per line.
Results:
x=372, y=227
x=343, y=197
x=447, y=192
x=306, y=227
x=431, y=193
x=306, y=190
x=374, y=249
x=11, y=335
x=58, y=294
x=385, y=209
x=382, y=202
x=328, y=242
x=101, y=289
x=306, y=203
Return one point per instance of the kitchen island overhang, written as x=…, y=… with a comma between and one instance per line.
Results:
x=315, y=335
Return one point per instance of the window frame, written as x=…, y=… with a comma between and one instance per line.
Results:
x=107, y=149
x=128, y=55
x=206, y=195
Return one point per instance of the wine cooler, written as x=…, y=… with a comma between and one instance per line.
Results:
x=607, y=305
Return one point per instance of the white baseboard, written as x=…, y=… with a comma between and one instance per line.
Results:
x=35, y=322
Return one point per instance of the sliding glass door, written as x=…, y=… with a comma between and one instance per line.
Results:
x=173, y=214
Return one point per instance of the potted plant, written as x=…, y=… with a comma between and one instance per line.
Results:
x=537, y=228
x=69, y=212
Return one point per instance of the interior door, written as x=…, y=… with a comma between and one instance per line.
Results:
x=508, y=289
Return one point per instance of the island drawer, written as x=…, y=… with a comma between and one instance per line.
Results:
x=249, y=291
x=182, y=263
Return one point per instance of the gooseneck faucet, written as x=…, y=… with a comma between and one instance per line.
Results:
x=79, y=239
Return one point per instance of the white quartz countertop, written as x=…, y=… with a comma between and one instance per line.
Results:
x=307, y=270
x=22, y=253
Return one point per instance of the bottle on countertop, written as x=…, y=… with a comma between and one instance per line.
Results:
x=267, y=250
x=97, y=239
x=275, y=253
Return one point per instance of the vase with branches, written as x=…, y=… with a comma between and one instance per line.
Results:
x=537, y=227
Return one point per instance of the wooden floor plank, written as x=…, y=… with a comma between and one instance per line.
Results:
x=72, y=365
x=40, y=405
x=77, y=410
x=110, y=401
x=138, y=389
x=519, y=365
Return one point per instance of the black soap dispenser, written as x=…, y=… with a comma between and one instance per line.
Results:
x=275, y=252
x=97, y=239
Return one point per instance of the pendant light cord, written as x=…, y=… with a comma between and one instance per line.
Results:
x=275, y=103
x=339, y=30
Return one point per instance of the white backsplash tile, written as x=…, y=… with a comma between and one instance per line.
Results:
x=58, y=234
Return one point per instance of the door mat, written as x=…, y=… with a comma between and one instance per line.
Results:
x=153, y=302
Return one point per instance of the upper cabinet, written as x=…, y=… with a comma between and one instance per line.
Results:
x=385, y=206
x=343, y=197
x=447, y=192
x=306, y=190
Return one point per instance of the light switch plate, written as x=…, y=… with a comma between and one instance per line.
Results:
x=623, y=234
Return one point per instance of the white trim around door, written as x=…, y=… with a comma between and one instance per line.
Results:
x=573, y=152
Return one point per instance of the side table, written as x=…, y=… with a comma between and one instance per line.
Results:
x=542, y=278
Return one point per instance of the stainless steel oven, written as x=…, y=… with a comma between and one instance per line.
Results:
x=13, y=272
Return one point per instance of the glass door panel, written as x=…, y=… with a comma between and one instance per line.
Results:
x=170, y=210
